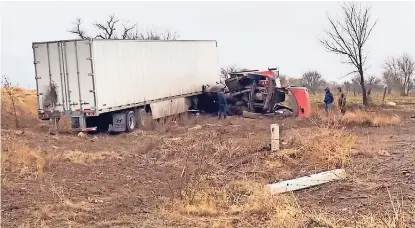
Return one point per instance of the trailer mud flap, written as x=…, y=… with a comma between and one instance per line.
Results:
x=170, y=107
x=118, y=122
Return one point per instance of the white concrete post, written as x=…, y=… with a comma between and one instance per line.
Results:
x=275, y=137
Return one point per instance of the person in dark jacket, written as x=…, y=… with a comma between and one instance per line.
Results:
x=328, y=99
x=222, y=104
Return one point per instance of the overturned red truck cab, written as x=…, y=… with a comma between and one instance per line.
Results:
x=261, y=92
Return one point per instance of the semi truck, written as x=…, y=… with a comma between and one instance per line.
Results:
x=118, y=85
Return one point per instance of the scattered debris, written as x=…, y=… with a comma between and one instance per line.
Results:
x=55, y=147
x=251, y=115
x=406, y=172
x=307, y=181
x=55, y=137
x=81, y=134
x=197, y=127
x=390, y=103
x=213, y=125
x=18, y=132
x=95, y=138
x=92, y=200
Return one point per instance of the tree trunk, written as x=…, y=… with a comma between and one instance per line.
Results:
x=362, y=84
x=403, y=91
x=384, y=95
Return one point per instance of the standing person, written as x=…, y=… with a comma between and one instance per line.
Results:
x=328, y=99
x=222, y=103
x=342, y=101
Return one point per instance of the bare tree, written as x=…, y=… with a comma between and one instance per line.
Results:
x=169, y=35
x=389, y=81
x=77, y=30
x=348, y=37
x=151, y=34
x=374, y=82
x=400, y=71
x=312, y=80
x=9, y=87
x=284, y=80
x=332, y=85
x=108, y=30
x=224, y=71
x=295, y=81
x=347, y=85
x=356, y=85
x=126, y=34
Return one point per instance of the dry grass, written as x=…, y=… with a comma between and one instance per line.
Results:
x=373, y=147
x=399, y=216
x=356, y=117
x=373, y=119
x=319, y=147
x=26, y=101
x=25, y=105
x=213, y=195
x=80, y=157
x=240, y=203
x=63, y=210
x=18, y=157
x=248, y=204
x=376, y=98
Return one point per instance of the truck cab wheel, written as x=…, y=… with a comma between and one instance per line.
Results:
x=130, y=121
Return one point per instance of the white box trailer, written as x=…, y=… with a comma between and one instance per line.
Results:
x=113, y=83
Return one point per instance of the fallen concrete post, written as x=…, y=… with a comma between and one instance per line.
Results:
x=307, y=181
x=275, y=137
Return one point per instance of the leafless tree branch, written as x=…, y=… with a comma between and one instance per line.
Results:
x=77, y=29
x=9, y=87
x=126, y=34
x=348, y=37
x=312, y=80
x=109, y=28
x=399, y=72
x=224, y=71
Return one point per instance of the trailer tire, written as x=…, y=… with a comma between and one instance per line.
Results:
x=130, y=121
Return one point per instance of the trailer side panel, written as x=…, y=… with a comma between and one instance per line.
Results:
x=132, y=72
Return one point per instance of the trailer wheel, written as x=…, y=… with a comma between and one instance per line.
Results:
x=130, y=121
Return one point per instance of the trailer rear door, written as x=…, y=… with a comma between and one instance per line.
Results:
x=66, y=66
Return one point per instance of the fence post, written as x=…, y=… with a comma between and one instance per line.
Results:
x=384, y=95
x=275, y=137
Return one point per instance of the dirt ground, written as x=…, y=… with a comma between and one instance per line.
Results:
x=137, y=179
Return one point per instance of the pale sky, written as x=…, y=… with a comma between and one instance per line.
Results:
x=253, y=35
